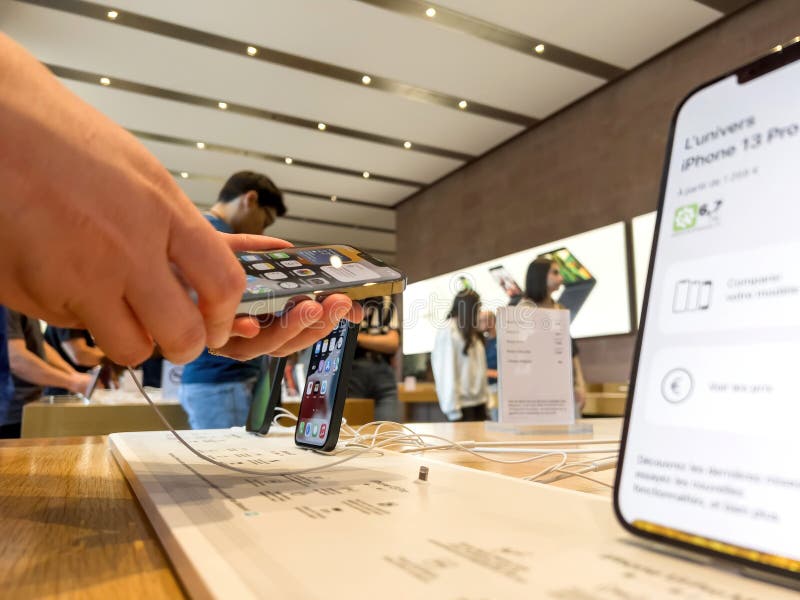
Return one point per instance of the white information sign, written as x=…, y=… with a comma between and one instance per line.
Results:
x=534, y=359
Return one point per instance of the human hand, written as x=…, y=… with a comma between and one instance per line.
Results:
x=110, y=374
x=79, y=382
x=302, y=324
x=91, y=225
x=296, y=329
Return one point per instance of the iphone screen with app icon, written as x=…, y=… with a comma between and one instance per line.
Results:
x=322, y=405
x=276, y=276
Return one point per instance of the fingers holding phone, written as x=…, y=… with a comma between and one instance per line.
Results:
x=295, y=329
x=276, y=278
x=282, y=280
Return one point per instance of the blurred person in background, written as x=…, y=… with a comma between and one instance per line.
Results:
x=372, y=375
x=77, y=348
x=217, y=391
x=34, y=364
x=459, y=362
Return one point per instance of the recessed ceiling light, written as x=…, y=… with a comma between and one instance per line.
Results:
x=252, y=50
x=184, y=175
x=463, y=104
x=322, y=126
x=365, y=174
x=200, y=145
x=288, y=160
x=334, y=198
x=105, y=81
x=777, y=48
x=223, y=105
x=112, y=14
x=407, y=145
x=538, y=48
x=431, y=12
x=366, y=80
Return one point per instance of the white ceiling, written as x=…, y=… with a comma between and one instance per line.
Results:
x=622, y=32
x=356, y=36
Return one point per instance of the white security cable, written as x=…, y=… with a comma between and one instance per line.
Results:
x=590, y=442
x=540, y=450
x=388, y=435
x=223, y=465
x=546, y=470
x=582, y=476
x=586, y=466
x=489, y=446
x=415, y=436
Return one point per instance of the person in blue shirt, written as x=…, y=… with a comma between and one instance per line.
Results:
x=216, y=391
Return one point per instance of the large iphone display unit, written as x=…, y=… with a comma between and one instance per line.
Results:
x=709, y=455
x=322, y=406
x=578, y=281
x=274, y=277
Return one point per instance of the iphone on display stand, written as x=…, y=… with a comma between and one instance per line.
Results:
x=275, y=277
x=708, y=461
x=322, y=405
x=266, y=396
x=95, y=373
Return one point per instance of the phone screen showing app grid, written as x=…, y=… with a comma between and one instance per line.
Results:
x=316, y=407
x=289, y=271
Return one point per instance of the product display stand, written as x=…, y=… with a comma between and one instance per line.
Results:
x=577, y=428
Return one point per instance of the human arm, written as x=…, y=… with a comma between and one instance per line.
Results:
x=61, y=160
x=117, y=241
x=81, y=353
x=385, y=343
x=26, y=365
x=53, y=358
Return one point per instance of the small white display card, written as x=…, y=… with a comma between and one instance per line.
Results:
x=534, y=359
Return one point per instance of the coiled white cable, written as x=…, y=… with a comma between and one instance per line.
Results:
x=223, y=465
x=401, y=436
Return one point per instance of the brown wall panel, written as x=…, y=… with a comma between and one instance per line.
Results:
x=597, y=162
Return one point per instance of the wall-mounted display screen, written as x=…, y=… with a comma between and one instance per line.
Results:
x=643, y=227
x=602, y=257
x=571, y=268
x=578, y=282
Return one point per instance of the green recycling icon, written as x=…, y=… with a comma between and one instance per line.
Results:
x=685, y=217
